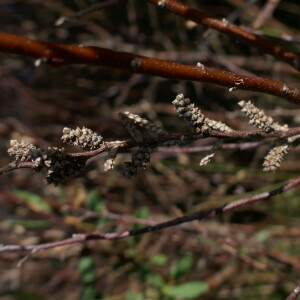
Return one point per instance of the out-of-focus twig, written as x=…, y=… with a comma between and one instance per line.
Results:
x=201, y=215
x=294, y=294
x=265, y=13
x=95, y=7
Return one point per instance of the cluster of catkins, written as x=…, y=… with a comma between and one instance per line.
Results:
x=84, y=138
x=60, y=165
x=141, y=130
x=259, y=119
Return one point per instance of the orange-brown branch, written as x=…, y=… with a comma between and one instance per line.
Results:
x=223, y=26
x=60, y=54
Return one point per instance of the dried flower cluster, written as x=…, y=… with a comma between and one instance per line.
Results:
x=133, y=124
x=59, y=165
x=274, y=157
x=21, y=151
x=84, y=138
x=139, y=159
x=110, y=160
x=189, y=112
x=147, y=136
x=259, y=119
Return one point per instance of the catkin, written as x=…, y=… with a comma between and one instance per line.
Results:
x=273, y=159
x=189, y=112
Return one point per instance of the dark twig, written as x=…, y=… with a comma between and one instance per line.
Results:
x=225, y=27
x=227, y=146
x=78, y=15
x=201, y=215
x=294, y=294
x=60, y=54
x=17, y=165
x=127, y=144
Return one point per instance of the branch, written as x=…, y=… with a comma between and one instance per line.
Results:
x=201, y=215
x=229, y=29
x=78, y=15
x=60, y=54
x=155, y=142
x=294, y=294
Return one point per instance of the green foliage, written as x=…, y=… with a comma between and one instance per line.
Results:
x=182, y=267
x=32, y=224
x=36, y=202
x=86, y=267
x=159, y=259
x=189, y=290
x=95, y=201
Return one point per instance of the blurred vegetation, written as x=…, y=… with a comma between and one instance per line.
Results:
x=246, y=254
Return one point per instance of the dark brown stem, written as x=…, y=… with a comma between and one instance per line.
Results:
x=223, y=26
x=59, y=55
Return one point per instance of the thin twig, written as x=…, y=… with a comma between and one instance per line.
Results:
x=127, y=144
x=294, y=294
x=227, y=146
x=201, y=215
x=91, y=9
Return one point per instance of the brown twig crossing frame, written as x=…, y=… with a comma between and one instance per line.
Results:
x=60, y=55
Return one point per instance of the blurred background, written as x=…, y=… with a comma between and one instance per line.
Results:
x=251, y=253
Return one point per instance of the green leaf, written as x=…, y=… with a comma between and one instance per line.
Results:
x=187, y=290
x=95, y=201
x=32, y=224
x=85, y=263
x=263, y=235
x=142, y=213
x=158, y=259
x=88, y=293
x=130, y=295
x=35, y=201
x=184, y=265
x=86, y=269
x=156, y=281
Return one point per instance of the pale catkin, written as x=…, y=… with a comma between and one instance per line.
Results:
x=110, y=160
x=58, y=164
x=131, y=127
x=21, y=151
x=189, y=112
x=82, y=137
x=274, y=157
x=205, y=160
x=146, y=124
x=259, y=119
